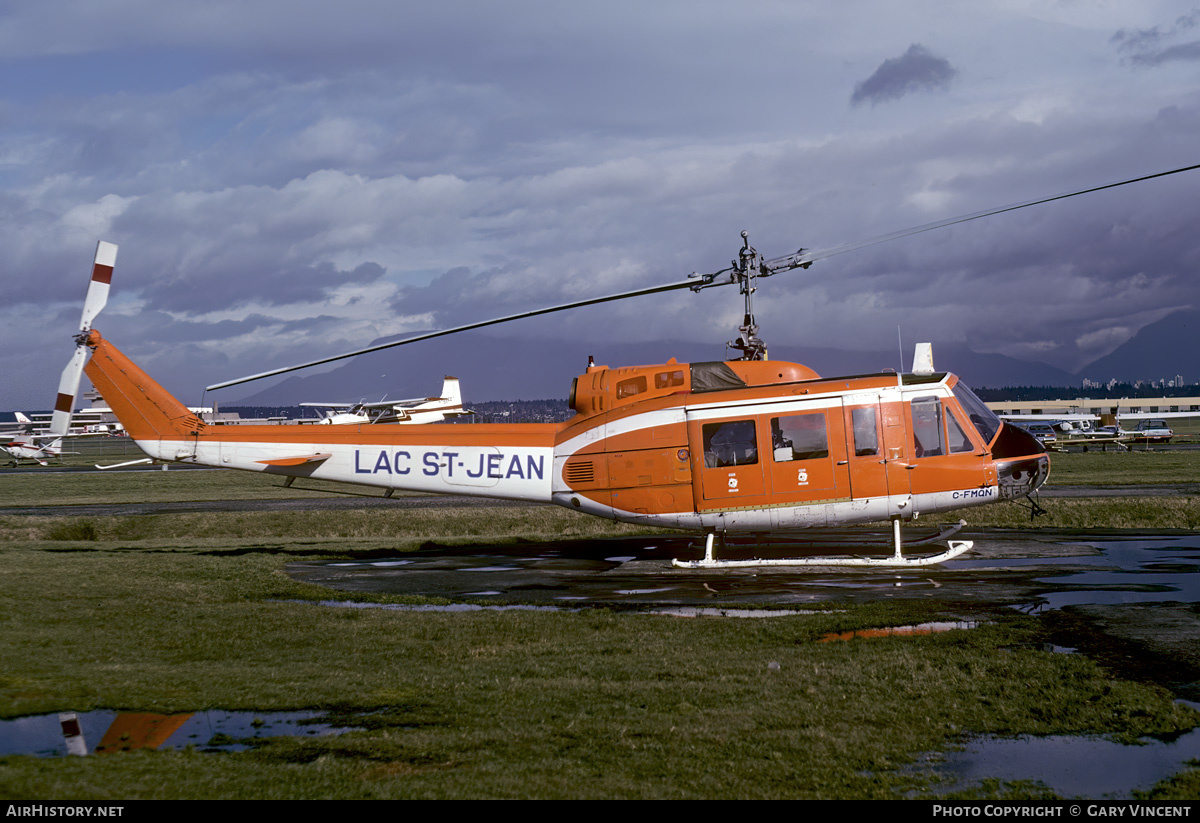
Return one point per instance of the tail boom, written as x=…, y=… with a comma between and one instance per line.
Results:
x=511, y=462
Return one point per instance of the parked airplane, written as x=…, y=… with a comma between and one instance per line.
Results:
x=1059, y=432
x=32, y=449
x=416, y=410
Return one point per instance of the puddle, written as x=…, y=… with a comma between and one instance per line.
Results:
x=1039, y=576
x=691, y=611
x=1136, y=571
x=1069, y=766
x=1146, y=571
x=451, y=607
x=105, y=732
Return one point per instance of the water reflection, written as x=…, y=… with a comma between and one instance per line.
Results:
x=1125, y=571
x=105, y=732
x=1069, y=766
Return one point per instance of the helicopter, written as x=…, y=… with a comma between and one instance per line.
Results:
x=740, y=446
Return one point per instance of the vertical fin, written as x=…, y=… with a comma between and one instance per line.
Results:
x=923, y=359
x=144, y=408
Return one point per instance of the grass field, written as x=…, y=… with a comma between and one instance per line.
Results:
x=182, y=612
x=590, y=704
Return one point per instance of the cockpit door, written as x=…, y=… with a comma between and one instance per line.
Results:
x=865, y=446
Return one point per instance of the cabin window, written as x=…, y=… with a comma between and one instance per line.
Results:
x=927, y=427
x=668, y=379
x=630, y=387
x=730, y=444
x=866, y=435
x=955, y=435
x=799, y=437
x=981, y=417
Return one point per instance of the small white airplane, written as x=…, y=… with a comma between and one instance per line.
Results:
x=416, y=410
x=32, y=449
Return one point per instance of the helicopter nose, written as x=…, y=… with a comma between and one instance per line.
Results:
x=1022, y=464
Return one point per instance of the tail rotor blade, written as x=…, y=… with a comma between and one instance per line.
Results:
x=97, y=297
x=68, y=386
x=97, y=294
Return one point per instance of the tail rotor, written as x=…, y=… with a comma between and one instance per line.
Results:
x=97, y=297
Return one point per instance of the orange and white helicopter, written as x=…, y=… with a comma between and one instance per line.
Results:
x=747, y=445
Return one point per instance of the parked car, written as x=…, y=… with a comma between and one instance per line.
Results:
x=1044, y=432
x=1152, y=431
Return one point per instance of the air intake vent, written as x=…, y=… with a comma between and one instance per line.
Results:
x=582, y=472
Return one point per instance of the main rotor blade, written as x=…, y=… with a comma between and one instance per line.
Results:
x=680, y=284
x=801, y=257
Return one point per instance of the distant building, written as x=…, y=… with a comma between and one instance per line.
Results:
x=1086, y=405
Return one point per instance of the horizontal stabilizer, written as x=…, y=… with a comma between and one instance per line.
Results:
x=295, y=461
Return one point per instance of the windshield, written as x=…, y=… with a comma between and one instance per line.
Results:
x=984, y=420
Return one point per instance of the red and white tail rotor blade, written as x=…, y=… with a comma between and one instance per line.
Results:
x=97, y=294
x=97, y=297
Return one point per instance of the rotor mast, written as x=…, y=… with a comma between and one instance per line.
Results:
x=746, y=270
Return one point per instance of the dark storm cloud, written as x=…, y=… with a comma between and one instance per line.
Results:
x=156, y=327
x=915, y=70
x=232, y=281
x=1153, y=46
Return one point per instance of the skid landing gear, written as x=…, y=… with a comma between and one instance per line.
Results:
x=953, y=549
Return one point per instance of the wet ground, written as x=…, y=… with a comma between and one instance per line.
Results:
x=1128, y=599
x=106, y=732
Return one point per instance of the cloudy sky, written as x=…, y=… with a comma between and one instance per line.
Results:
x=288, y=179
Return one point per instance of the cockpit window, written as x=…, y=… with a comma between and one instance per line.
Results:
x=984, y=420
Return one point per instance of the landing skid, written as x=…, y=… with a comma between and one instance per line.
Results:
x=896, y=560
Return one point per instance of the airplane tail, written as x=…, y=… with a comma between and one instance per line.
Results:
x=146, y=409
x=451, y=391
x=21, y=418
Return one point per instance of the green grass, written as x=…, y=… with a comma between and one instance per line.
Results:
x=1136, y=467
x=593, y=704
x=33, y=487
x=406, y=528
x=1155, y=513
